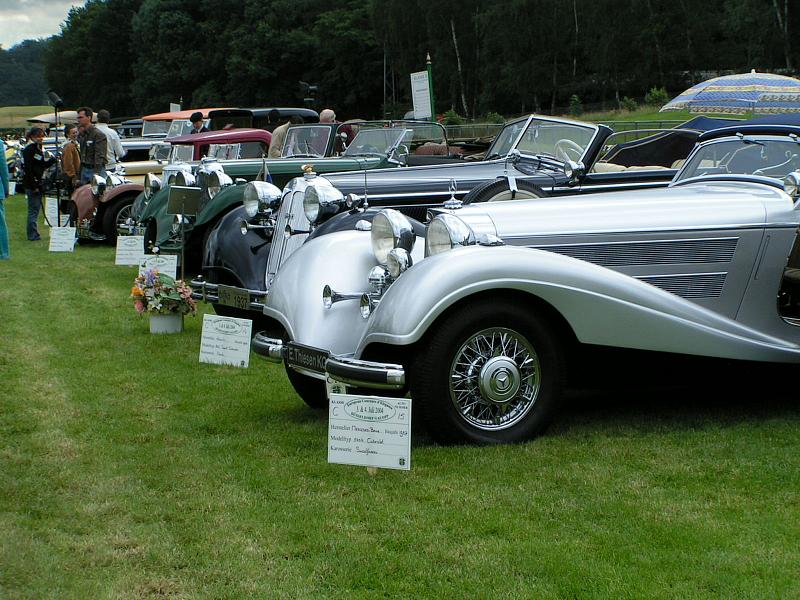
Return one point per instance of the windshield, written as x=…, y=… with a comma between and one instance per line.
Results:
x=645, y=149
x=181, y=153
x=182, y=127
x=155, y=127
x=749, y=155
x=556, y=139
x=306, y=141
x=224, y=151
x=160, y=151
x=377, y=141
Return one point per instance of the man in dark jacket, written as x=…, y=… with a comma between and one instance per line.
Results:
x=93, y=146
x=198, y=123
x=34, y=164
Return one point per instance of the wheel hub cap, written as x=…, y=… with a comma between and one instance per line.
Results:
x=499, y=380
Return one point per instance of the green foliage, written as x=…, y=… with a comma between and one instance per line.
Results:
x=22, y=81
x=451, y=117
x=575, y=106
x=656, y=97
x=628, y=104
x=494, y=117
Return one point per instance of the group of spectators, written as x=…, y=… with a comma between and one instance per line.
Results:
x=89, y=149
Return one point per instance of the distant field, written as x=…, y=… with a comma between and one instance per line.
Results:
x=14, y=116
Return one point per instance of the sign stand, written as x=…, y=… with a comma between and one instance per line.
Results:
x=183, y=201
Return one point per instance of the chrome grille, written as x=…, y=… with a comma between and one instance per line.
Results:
x=657, y=252
x=700, y=285
x=290, y=212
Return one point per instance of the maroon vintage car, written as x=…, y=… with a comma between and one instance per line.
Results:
x=98, y=207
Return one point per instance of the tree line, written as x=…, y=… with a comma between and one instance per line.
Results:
x=137, y=56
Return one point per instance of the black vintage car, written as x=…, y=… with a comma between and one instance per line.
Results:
x=531, y=157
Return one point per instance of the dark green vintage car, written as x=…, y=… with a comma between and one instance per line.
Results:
x=217, y=186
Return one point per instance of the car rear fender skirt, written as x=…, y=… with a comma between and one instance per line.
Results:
x=84, y=201
x=601, y=306
x=123, y=189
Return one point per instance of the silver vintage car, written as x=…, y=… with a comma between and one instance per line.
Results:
x=479, y=318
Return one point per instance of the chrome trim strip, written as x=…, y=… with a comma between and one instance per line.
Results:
x=728, y=227
x=362, y=373
x=269, y=348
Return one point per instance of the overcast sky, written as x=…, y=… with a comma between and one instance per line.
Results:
x=31, y=19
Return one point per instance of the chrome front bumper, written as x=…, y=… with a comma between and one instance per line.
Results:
x=209, y=292
x=350, y=371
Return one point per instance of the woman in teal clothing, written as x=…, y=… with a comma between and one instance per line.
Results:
x=4, y=255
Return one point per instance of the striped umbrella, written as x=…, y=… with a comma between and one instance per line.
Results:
x=761, y=93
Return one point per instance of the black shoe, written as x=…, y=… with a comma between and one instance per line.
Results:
x=36, y=239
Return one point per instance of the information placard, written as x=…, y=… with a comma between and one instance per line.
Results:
x=62, y=239
x=225, y=341
x=421, y=95
x=130, y=250
x=165, y=263
x=369, y=431
x=51, y=213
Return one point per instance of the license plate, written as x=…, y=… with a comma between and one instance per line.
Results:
x=232, y=296
x=305, y=357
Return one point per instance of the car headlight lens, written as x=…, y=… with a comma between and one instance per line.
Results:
x=113, y=179
x=321, y=200
x=151, y=185
x=184, y=178
x=98, y=185
x=391, y=229
x=216, y=181
x=791, y=183
x=259, y=197
x=177, y=220
x=446, y=232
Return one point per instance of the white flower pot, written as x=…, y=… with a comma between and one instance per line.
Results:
x=171, y=323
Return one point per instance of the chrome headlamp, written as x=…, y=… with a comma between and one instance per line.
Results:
x=391, y=229
x=172, y=172
x=259, y=197
x=321, y=200
x=791, y=184
x=212, y=177
x=185, y=178
x=151, y=185
x=177, y=220
x=446, y=232
x=398, y=262
x=98, y=185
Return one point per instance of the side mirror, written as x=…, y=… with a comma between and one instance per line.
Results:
x=574, y=171
x=791, y=185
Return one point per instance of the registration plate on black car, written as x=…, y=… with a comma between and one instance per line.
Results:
x=233, y=296
x=306, y=357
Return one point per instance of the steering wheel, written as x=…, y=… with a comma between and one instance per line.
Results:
x=568, y=150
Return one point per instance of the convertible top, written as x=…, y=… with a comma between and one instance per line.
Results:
x=773, y=124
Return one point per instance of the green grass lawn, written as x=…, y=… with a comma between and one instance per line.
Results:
x=14, y=116
x=129, y=470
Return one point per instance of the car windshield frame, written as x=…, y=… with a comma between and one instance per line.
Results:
x=774, y=155
x=181, y=153
x=311, y=135
x=516, y=135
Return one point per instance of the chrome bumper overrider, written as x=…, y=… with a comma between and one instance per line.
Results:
x=350, y=371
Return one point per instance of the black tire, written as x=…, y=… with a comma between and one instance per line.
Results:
x=501, y=400
x=311, y=390
x=494, y=191
x=119, y=209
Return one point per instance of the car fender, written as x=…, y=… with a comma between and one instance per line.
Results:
x=244, y=256
x=342, y=260
x=85, y=201
x=602, y=306
x=221, y=203
x=120, y=190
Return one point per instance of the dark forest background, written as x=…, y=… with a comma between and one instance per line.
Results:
x=136, y=56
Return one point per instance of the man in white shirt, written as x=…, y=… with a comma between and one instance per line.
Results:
x=114, y=149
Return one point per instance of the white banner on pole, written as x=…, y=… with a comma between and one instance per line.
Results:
x=421, y=95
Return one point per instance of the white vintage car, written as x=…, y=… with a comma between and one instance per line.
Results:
x=479, y=318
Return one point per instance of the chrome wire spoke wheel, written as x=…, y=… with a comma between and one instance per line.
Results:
x=495, y=379
x=124, y=214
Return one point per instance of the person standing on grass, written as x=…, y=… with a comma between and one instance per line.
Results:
x=71, y=159
x=93, y=146
x=34, y=163
x=114, y=149
x=4, y=254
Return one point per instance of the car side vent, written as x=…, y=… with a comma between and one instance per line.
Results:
x=657, y=252
x=701, y=285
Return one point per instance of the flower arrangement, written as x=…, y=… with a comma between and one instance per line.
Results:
x=159, y=293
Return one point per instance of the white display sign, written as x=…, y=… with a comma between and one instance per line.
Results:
x=165, y=263
x=421, y=95
x=62, y=239
x=51, y=213
x=130, y=250
x=225, y=341
x=370, y=431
